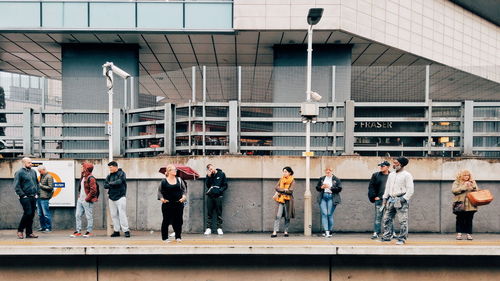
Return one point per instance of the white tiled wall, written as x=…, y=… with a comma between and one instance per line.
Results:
x=435, y=29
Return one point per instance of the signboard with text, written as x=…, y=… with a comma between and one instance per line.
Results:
x=63, y=173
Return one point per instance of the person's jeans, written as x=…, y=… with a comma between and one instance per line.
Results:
x=377, y=225
x=44, y=214
x=29, y=208
x=118, y=210
x=389, y=214
x=214, y=205
x=281, y=208
x=327, y=208
x=88, y=208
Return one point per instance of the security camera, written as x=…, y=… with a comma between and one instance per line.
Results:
x=315, y=96
x=118, y=71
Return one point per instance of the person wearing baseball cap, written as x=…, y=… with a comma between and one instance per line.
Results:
x=396, y=198
x=376, y=189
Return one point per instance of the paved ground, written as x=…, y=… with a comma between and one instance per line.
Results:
x=149, y=243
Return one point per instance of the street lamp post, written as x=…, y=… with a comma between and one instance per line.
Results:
x=107, y=70
x=309, y=112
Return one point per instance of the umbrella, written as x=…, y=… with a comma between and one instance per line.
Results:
x=184, y=172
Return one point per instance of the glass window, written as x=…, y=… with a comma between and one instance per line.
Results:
x=209, y=16
x=160, y=15
x=64, y=14
x=112, y=15
x=19, y=15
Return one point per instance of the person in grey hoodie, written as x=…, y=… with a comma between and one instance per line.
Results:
x=46, y=192
x=116, y=184
x=26, y=187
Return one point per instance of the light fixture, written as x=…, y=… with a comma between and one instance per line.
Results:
x=314, y=16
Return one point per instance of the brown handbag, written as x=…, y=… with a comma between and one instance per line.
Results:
x=481, y=197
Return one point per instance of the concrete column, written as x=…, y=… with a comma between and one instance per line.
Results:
x=349, y=128
x=27, y=131
x=118, y=132
x=169, y=141
x=233, y=127
x=468, y=127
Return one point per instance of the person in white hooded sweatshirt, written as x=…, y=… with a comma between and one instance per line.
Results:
x=398, y=191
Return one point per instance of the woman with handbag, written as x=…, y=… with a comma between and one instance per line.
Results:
x=462, y=207
x=284, y=199
x=329, y=187
x=172, y=194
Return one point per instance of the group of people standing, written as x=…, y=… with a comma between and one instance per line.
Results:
x=390, y=192
x=33, y=192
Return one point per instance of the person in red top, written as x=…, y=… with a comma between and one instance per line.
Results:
x=87, y=196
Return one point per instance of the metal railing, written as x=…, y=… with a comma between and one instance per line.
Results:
x=444, y=129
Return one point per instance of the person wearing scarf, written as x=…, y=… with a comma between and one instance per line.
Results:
x=284, y=200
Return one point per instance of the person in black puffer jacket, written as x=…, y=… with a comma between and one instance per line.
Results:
x=116, y=184
x=216, y=184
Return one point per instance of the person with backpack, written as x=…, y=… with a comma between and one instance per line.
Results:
x=172, y=194
x=87, y=196
x=116, y=184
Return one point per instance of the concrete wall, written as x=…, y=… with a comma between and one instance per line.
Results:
x=248, y=203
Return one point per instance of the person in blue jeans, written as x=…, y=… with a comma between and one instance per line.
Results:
x=376, y=189
x=46, y=192
x=329, y=188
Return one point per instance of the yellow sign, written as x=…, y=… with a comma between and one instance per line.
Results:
x=310, y=153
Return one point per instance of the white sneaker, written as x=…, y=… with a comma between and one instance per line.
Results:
x=208, y=231
x=167, y=241
x=172, y=234
x=219, y=231
x=178, y=240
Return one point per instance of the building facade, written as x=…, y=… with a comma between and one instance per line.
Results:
x=415, y=78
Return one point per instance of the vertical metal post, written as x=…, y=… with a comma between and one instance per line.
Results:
x=468, y=135
x=427, y=82
x=27, y=131
x=132, y=93
x=233, y=127
x=169, y=128
x=193, y=84
x=125, y=96
x=204, y=113
x=429, y=126
x=239, y=83
x=307, y=193
x=334, y=113
x=349, y=127
x=189, y=127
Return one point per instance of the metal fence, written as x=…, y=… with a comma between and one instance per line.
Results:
x=367, y=110
x=441, y=129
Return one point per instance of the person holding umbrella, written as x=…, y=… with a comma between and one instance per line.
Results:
x=172, y=194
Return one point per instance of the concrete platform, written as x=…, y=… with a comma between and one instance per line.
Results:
x=149, y=243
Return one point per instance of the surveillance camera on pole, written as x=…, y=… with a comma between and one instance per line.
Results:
x=107, y=71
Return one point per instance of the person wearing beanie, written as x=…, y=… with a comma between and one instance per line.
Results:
x=398, y=191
